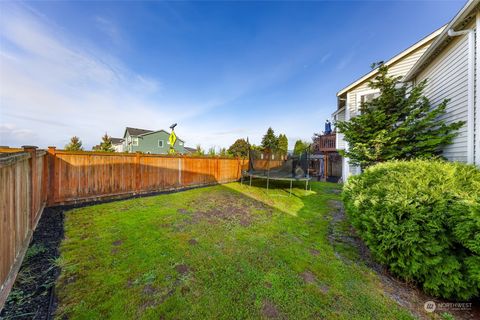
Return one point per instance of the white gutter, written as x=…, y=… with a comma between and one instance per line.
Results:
x=471, y=89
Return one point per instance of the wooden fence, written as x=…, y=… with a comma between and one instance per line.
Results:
x=23, y=186
x=31, y=179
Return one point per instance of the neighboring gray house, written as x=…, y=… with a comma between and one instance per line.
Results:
x=149, y=141
x=118, y=144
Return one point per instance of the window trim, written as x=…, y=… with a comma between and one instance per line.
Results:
x=358, y=99
x=163, y=143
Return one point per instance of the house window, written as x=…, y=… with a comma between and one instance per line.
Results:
x=364, y=97
x=368, y=97
x=160, y=143
x=135, y=141
x=180, y=143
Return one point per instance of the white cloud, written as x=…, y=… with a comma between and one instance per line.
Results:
x=54, y=86
x=48, y=83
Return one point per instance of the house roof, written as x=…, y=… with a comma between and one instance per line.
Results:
x=393, y=60
x=461, y=19
x=143, y=132
x=117, y=140
x=161, y=130
x=191, y=150
x=136, y=131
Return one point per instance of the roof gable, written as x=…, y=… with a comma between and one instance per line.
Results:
x=116, y=140
x=135, y=131
x=393, y=60
x=462, y=18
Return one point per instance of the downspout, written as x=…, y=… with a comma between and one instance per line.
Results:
x=471, y=89
x=477, y=105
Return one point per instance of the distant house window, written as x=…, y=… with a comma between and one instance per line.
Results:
x=135, y=141
x=160, y=143
x=180, y=143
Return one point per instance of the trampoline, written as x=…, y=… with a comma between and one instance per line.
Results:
x=273, y=166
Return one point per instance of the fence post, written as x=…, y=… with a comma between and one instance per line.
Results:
x=51, y=176
x=137, y=172
x=32, y=163
x=180, y=160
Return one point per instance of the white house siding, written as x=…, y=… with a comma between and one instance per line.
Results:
x=340, y=142
x=397, y=69
x=447, y=78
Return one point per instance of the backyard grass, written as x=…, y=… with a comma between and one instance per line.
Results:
x=221, y=252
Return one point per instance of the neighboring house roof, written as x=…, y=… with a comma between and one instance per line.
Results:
x=136, y=131
x=117, y=140
x=143, y=132
x=463, y=17
x=191, y=150
x=161, y=130
x=392, y=60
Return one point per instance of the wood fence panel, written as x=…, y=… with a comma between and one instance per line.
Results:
x=22, y=198
x=82, y=176
x=30, y=179
x=159, y=173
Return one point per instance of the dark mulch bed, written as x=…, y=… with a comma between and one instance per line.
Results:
x=32, y=296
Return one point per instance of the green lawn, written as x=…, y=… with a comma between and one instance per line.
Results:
x=222, y=252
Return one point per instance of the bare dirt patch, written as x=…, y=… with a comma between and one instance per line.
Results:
x=117, y=243
x=314, y=252
x=269, y=310
x=183, y=211
x=149, y=289
x=308, y=277
x=192, y=242
x=183, y=269
x=225, y=206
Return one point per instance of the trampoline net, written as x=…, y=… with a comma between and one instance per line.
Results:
x=275, y=165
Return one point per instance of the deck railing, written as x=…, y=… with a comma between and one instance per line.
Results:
x=325, y=143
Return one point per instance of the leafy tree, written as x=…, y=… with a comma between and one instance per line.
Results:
x=283, y=144
x=399, y=124
x=270, y=141
x=105, y=145
x=239, y=148
x=211, y=151
x=74, y=145
x=223, y=152
x=300, y=147
x=199, y=151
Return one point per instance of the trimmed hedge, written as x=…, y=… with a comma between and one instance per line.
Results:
x=421, y=218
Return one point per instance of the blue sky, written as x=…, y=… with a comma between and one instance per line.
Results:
x=221, y=70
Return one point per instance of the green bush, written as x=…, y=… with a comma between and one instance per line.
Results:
x=421, y=219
